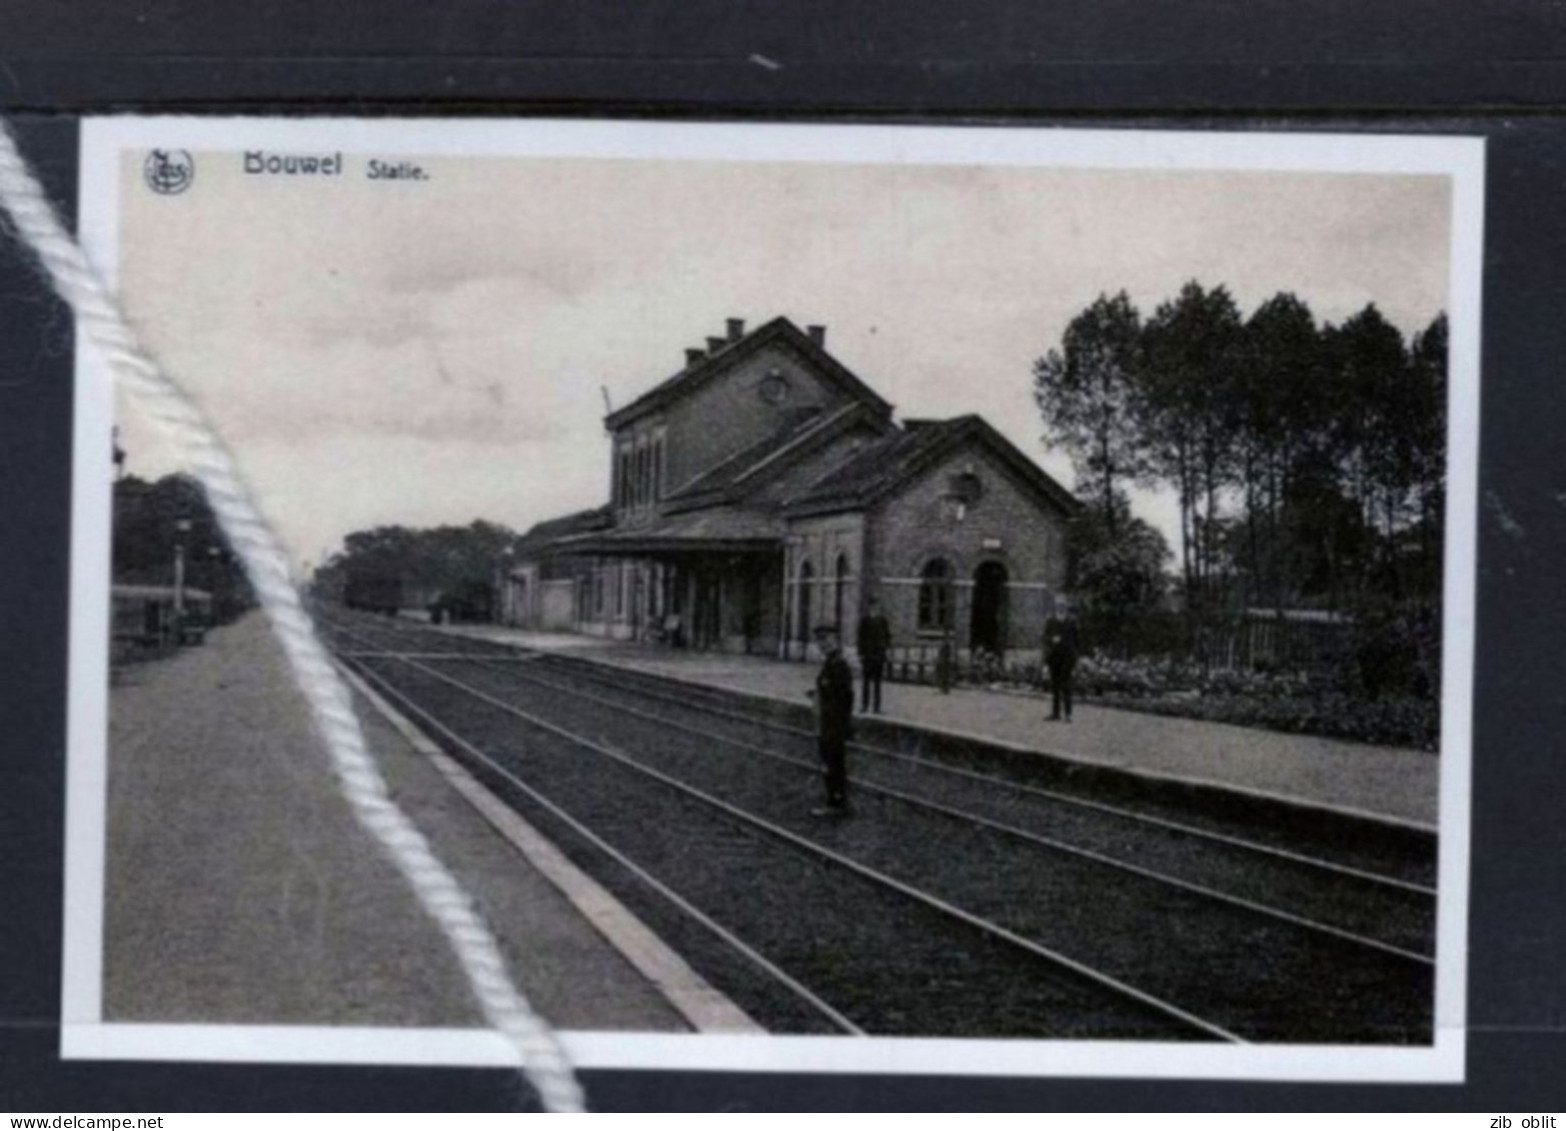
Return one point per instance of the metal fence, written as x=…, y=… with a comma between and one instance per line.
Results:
x=930, y=663
x=1252, y=640
x=1259, y=641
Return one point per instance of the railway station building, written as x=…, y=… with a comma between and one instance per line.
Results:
x=764, y=490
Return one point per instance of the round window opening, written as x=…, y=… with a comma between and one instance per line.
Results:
x=774, y=388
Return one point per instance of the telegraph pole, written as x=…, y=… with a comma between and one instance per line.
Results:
x=181, y=528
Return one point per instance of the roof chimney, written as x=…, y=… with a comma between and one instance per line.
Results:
x=817, y=335
x=693, y=357
x=715, y=344
x=736, y=329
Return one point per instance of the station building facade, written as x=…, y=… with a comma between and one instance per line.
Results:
x=764, y=490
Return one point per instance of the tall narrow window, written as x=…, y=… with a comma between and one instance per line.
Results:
x=935, y=596
x=839, y=588
x=807, y=586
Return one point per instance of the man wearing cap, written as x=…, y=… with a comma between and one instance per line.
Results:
x=834, y=696
x=1060, y=656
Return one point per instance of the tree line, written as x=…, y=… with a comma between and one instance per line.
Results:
x=157, y=521
x=1307, y=459
x=449, y=567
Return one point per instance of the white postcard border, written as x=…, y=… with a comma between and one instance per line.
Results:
x=86, y=1035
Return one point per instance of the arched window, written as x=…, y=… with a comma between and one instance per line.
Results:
x=935, y=596
x=807, y=584
x=839, y=587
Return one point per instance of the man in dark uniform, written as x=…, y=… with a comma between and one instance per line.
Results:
x=1060, y=655
x=834, y=696
x=946, y=663
x=874, y=641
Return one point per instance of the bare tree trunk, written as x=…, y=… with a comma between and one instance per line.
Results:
x=1274, y=537
x=1109, y=488
x=1212, y=521
x=1394, y=571
x=1252, y=496
x=1187, y=533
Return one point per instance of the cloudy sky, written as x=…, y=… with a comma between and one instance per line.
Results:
x=439, y=351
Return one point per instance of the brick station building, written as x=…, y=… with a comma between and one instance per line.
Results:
x=764, y=490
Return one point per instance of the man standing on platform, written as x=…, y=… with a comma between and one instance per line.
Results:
x=1060, y=656
x=946, y=663
x=834, y=696
x=874, y=641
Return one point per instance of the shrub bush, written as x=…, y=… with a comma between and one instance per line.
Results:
x=1098, y=674
x=1403, y=720
x=1396, y=710
x=1283, y=701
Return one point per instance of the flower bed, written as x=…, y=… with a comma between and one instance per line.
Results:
x=1391, y=721
x=1284, y=701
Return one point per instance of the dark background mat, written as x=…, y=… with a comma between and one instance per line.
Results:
x=1492, y=70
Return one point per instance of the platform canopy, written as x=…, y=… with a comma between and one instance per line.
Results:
x=723, y=530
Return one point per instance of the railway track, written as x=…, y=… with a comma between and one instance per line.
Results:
x=1395, y=857
x=1398, y=901
x=1388, y=856
x=903, y=965
x=1377, y=909
x=1347, y=960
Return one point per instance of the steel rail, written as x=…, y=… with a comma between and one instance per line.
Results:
x=370, y=654
x=985, y=926
x=755, y=957
x=605, y=675
x=1011, y=830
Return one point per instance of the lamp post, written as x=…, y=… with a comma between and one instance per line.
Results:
x=181, y=529
x=214, y=576
x=505, y=610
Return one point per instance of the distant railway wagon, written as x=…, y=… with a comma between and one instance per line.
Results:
x=469, y=603
x=157, y=615
x=391, y=595
x=374, y=593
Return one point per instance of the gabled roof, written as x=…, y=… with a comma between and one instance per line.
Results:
x=722, y=474
x=780, y=331
x=881, y=468
x=545, y=533
x=762, y=461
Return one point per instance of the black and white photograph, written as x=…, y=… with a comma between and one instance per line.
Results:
x=835, y=598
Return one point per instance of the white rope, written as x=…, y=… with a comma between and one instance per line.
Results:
x=543, y=1060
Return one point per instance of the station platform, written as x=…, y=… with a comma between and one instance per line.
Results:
x=1396, y=784
x=240, y=889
